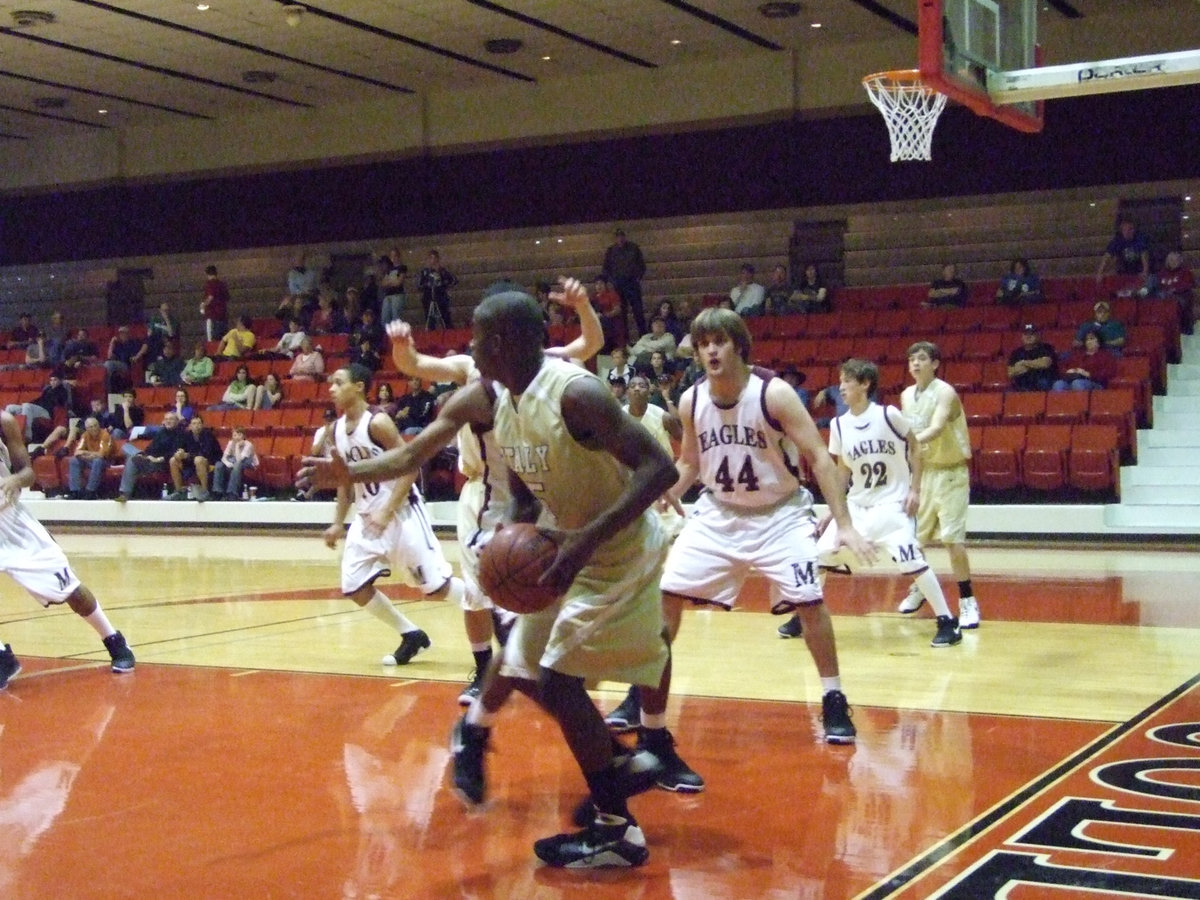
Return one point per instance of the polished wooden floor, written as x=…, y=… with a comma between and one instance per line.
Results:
x=261, y=749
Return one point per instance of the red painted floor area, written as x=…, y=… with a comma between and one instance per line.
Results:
x=189, y=782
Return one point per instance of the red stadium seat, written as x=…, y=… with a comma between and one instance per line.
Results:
x=982, y=408
x=1023, y=408
x=1093, y=462
x=1066, y=407
x=1117, y=408
x=1044, y=459
x=985, y=345
x=999, y=458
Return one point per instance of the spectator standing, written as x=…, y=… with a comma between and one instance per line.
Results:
x=1110, y=331
x=199, y=369
x=748, y=296
x=162, y=330
x=1128, y=253
x=949, y=290
x=395, y=273
x=1032, y=366
x=214, y=307
x=1087, y=368
x=302, y=281
x=95, y=451
x=1021, y=285
x=57, y=336
x=435, y=282
x=238, y=457
x=625, y=267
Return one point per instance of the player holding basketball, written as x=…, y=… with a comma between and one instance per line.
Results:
x=879, y=458
x=937, y=418
x=741, y=427
x=483, y=497
x=555, y=422
x=34, y=561
x=391, y=526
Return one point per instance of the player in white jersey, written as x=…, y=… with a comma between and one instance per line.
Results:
x=485, y=492
x=741, y=429
x=879, y=459
x=937, y=416
x=390, y=527
x=34, y=561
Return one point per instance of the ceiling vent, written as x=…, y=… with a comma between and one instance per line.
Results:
x=259, y=76
x=503, y=45
x=50, y=102
x=31, y=18
x=779, y=10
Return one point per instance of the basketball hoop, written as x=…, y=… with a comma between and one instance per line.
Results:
x=910, y=110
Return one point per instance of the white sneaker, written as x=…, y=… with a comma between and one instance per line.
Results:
x=912, y=601
x=968, y=613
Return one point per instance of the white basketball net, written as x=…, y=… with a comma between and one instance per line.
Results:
x=910, y=110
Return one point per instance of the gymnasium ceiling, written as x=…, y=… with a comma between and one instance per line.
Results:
x=163, y=61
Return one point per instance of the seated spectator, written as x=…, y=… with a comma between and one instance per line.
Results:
x=619, y=368
x=198, y=452
x=949, y=290
x=54, y=396
x=125, y=416
x=811, y=294
x=154, y=458
x=365, y=354
x=167, y=370
x=182, y=406
x=238, y=341
x=239, y=456
x=385, y=400
x=124, y=352
x=1032, y=366
x=1019, y=286
x=322, y=445
x=1087, y=368
x=1128, y=253
x=63, y=438
x=23, y=332
x=326, y=318
x=415, y=409
x=270, y=393
x=199, y=369
x=1176, y=281
x=368, y=329
x=94, y=450
x=660, y=373
x=291, y=307
x=795, y=379
x=81, y=346
x=242, y=392
x=36, y=355
x=656, y=340
x=289, y=341
x=608, y=306
x=1110, y=331
x=748, y=296
x=676, y=327
x=308, y=364
x=619, y=388
x=778, y=299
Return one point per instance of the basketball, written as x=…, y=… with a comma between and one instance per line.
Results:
x=511, y=564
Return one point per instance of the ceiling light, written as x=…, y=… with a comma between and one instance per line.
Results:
x=778, y=9
x=103, y=112
x=675, y=42
x=203, y=7
x=545, y=59
x=815, y=25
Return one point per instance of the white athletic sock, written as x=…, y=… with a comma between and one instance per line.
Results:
x=658, y=721
x=99, y=621
x=831, y=684
x=481, y=648
x=385, y=611
x=929, y=587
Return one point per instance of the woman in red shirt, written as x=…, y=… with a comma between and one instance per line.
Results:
x=1086, y=368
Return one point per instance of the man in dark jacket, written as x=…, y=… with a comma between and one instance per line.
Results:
x=197, y=454
x=162, y=448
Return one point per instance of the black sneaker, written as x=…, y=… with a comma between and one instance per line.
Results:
x=411, y=643
x=473, y=689
x=627, y=716
x=122, y=656
x=468, y=743
x=676, y=775
x=792, y=628
x=608, y=842
x=948, y=633
x=637, y=772
x=9, y=666
x=835, y=717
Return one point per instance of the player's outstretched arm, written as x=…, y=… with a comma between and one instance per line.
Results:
x=572, y=293
x=415, y=364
